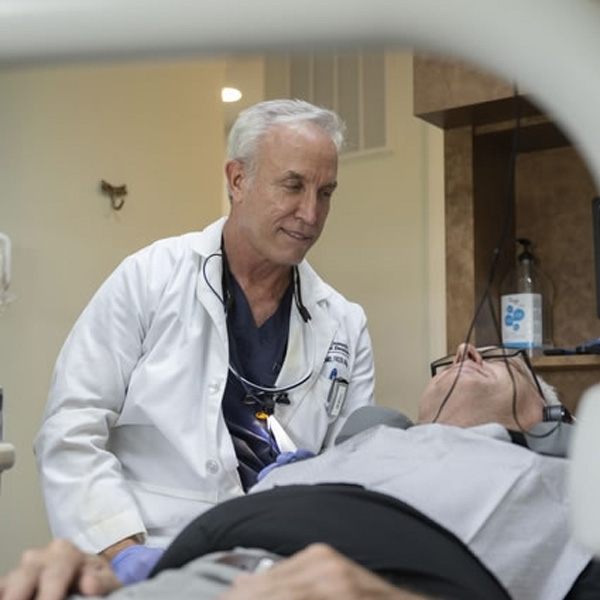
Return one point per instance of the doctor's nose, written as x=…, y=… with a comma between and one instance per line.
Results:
x=467, y=352
x=307, y=209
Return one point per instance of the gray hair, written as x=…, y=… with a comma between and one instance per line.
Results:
x=255, y=121
x=550, y=393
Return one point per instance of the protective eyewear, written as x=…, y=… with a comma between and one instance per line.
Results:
x=492, y=353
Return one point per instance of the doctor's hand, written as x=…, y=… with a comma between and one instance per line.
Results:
x=285, y=458
x=59, y=569
x=316, y=573
x=135, y=562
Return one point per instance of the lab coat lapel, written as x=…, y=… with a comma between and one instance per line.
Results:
x=210, y=274
x=308, y=342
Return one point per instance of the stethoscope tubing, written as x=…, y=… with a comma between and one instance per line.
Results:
x=247, y=384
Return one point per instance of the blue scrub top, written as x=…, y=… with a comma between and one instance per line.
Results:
x=257, y=354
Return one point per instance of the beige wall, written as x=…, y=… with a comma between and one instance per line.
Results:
x=376, y=245
x=157, y=129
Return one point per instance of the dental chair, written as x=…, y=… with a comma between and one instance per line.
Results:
x=7, y=458
x=7, y=451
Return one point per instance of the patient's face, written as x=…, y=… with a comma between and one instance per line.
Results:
x=483, y=392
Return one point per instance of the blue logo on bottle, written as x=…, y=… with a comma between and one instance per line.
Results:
x=513, y=317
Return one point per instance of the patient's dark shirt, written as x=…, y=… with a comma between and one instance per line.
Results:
x=377, y=531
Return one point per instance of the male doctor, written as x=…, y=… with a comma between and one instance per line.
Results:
x=203, y=357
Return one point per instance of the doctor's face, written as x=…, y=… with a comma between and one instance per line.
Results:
x=281, y=202
x=484, y=385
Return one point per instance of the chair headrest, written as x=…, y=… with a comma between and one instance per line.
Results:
x=366, y=417
x=551, y=439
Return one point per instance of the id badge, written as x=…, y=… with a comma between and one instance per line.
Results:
x=336, y=396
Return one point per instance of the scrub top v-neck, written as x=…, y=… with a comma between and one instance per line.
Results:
x=257, y=354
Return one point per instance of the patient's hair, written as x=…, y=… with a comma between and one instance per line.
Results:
x=255, y=121
x=550, y=393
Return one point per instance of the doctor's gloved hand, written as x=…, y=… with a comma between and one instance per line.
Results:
x=285, y=458
x=135, y=563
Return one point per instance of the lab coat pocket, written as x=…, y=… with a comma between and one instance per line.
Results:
x=319, y=403
x=329, y=392
x=314, y=412
x=336, y=373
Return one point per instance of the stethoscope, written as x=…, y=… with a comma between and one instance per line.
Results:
x=266, y=397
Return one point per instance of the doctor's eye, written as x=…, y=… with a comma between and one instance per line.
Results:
x=294, y=188
x=293, y=183
x=325, y=193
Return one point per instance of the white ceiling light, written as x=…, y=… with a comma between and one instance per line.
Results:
x=230, y=94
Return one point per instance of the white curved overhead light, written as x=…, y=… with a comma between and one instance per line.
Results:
x=552, y=46
x=230, y=94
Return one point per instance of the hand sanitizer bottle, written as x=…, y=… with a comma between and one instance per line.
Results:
x=526, y=305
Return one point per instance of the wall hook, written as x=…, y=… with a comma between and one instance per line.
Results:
x=117, y=194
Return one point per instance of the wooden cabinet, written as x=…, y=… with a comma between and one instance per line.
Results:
x=550, y=203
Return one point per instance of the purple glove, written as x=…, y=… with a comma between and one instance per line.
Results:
x=135, y=563
x=285, y=458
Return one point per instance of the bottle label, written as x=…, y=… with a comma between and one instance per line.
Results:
x=522, y=320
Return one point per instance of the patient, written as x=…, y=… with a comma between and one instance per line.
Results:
x=492, y=518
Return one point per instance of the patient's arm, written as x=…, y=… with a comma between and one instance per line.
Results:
x=317, y=573
x=54, y=571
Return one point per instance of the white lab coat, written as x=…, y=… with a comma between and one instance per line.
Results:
x=133, y=438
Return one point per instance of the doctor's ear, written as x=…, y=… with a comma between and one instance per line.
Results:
x=236, y=173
